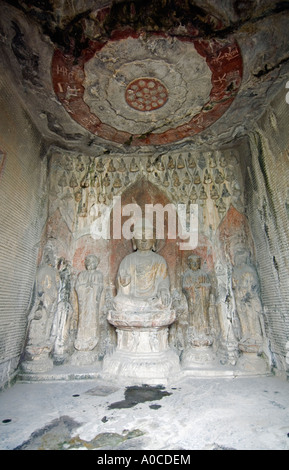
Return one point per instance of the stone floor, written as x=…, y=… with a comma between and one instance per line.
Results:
x=192, y=414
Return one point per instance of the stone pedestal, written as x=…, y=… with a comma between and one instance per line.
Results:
x=198, y=357
x=252, y=364
x=251, y=360
x=38, y=363
x=83, y=358
x=142, y=354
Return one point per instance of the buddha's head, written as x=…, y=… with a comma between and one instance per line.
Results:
x=194, y=262
x=91, y=262
x=144, y=239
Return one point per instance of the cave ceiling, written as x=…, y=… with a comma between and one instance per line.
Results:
x=139, y=75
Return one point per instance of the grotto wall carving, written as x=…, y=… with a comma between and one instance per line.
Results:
x=199, y=288
x=40, y=343
x=126, y=77
x=63, y=319
x=214, y=287
x=88, y=287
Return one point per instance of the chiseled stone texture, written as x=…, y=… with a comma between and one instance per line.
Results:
x=210, y=144
x=31, y=42
x=23, y=211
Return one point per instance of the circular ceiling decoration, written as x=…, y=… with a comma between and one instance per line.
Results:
x=146, y=94
x=148, y=89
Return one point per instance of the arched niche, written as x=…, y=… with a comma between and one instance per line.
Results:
x=143, y=192
x=234, y=234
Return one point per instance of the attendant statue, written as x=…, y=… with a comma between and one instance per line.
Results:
x=142, y=281
x=63, y=318
x=39, y=341
x=198, y=290
x=89, y=286
x=248, y=304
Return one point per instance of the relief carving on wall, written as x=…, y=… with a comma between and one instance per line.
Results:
x=209, y=179
x=212, y=301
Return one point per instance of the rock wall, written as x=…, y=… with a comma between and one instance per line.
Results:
x=241, y=191
x=268, y=198
x=83, y=187
x=23, y=209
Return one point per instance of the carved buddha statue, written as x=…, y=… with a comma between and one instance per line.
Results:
x=142, y=315
x=142, y=280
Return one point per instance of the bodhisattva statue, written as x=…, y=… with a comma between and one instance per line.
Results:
x=249, y=308
x=39, y=342
x=248, y=304
x=62, y=322
x=142, y=314
x=198, y=291
x=89, y=286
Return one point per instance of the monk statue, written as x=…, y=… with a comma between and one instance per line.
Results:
x=249, y=308
x=39, y=342
x=89, y=286
x=198, y=289
x=142, y=281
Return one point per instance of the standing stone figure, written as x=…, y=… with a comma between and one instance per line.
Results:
x=228, y=319
x=63, y=317
x=39, y=343
x=89, y=286
x=198, y=289
x=248, y=304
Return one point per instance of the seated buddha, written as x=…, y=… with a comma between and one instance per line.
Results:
x=142, y=281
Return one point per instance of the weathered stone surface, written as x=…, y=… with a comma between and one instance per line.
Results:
x=200, y=80
x=213, y=30
x=39, y=344
x=168, y=103
x=89, y=287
